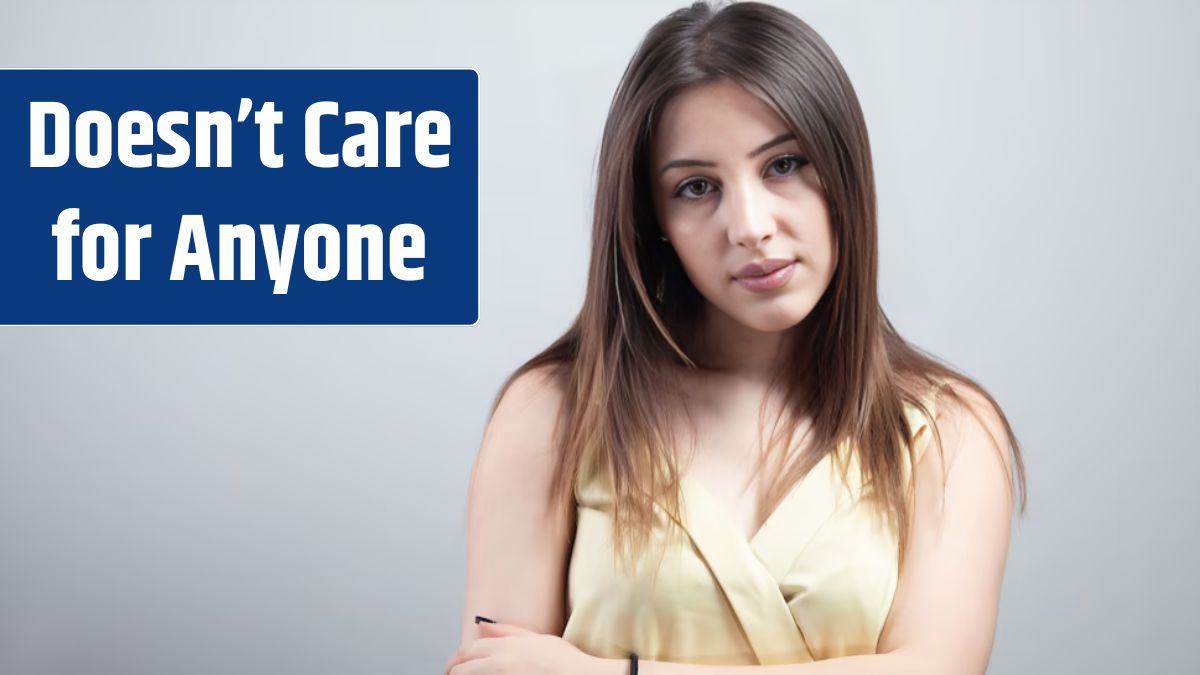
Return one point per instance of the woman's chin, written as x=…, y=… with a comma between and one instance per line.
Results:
x=767, y=321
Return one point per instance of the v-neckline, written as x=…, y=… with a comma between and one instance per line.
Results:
x=749, y=571
x=716, y=508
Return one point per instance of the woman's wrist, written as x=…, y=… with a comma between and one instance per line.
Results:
x=601, y=666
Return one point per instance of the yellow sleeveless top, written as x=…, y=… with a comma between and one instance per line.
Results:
x=815, y=582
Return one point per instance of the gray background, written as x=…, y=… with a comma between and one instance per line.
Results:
x=291, y=499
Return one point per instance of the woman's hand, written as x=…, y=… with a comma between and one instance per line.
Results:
x=505, y=649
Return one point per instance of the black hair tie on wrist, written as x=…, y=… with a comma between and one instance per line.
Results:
x=632, y=663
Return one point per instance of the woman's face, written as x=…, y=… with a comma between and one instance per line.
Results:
x=732, y=188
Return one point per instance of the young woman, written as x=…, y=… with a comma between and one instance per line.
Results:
x=731, y=462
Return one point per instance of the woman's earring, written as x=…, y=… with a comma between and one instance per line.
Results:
x=663, y=238
x=658, y=290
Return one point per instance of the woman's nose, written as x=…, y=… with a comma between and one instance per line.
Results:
x=749, y=221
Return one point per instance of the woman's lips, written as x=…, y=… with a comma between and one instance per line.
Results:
x=770, y=281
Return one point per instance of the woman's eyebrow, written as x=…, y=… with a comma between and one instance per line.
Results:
x=781, y=138
x=684, y=162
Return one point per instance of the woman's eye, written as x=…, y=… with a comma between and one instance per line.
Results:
x=694, y=189
x=787, y=164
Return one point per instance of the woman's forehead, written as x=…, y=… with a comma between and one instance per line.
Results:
x=717, y=117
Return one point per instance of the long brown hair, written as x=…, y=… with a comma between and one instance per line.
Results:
x=848, y=369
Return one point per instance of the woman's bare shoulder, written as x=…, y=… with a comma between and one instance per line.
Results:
x=967, y=418
x=526, y=415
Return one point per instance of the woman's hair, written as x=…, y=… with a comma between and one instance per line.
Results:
x=847, y=368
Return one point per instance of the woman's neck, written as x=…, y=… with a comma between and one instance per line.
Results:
x=725, y=346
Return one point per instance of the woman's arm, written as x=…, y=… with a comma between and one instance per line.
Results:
x=517, y=549
x=944, y=614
